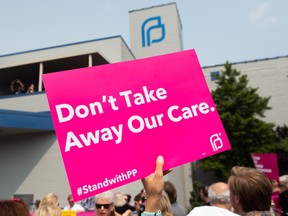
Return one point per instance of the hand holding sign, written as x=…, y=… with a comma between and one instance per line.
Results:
x=154, y=185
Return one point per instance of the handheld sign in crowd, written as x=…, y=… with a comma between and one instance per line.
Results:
x=112, y=121
x=267, y=163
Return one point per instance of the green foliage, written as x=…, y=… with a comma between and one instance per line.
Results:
x=195, y=199
x=282, y=132
x=241, y=110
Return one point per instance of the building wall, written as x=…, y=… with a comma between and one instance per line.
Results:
x=271, y=77
x=110, y=48
x=25, y=102
x=126, y=54
x=31, y=164
x=159, y=28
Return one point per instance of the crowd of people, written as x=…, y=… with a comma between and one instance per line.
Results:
x=17, y=87
x=247, y=192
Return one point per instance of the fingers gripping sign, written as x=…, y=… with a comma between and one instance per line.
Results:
x=153, y=185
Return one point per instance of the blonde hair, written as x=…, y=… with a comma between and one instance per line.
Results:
x=165, y=205
x=48, y=210
x=50, y=199
x=119, y=199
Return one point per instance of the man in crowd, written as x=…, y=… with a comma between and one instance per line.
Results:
x=219, y=198
x=177, y=209
x=72, y=205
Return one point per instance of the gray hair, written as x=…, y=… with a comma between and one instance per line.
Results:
x=283, y=180
x=107, y=195
x=222, y=197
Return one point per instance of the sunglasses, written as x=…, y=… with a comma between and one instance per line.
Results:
x=99, y=206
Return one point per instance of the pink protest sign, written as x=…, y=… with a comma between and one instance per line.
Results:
x=267, y=163
x=112, y=121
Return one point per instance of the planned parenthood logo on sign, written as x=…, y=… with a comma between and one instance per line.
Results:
x=152, y=27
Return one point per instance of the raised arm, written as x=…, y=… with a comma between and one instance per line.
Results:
x=154, y=185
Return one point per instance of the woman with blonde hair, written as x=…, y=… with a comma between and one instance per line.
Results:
x=50, y=199
x=48, y=210
x=165, y=205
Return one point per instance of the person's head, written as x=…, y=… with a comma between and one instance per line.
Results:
x=283, y=180
x=104, y=204
x=70, y=200
x=250, y=190
x=142, y=201
x=31, y=88
x=219, y=195
x=170, y=189
x=127, y=198
x=283, y=183
x=37, y=203
x=204, y=193
x=275, y=183
x=119, y=199
x=50, y=199
x=14, y=207
x=45, y=210
x=165, y=205
x=143, y=196
x=137, y=199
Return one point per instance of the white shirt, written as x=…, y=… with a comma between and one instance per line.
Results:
x=210, y=210
x=76, y=207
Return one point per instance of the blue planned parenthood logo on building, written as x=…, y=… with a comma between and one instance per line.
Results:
x=149, y=25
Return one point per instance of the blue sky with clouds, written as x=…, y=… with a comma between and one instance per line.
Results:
x=219, y=30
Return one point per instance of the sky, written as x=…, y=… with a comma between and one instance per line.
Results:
x=219, y=31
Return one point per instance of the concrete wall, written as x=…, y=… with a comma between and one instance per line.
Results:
x=36, y=102
x=271, y=77
x=109, y=48
x=165, y=36
x=31, y=164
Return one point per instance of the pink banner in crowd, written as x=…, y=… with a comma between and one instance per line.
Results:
x=112, y=121
x=267, y=163
x=87, y=213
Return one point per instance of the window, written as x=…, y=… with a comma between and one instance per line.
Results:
x=214, y=75
x=27, y=198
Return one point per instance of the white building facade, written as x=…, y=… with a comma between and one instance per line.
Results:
x=270, y=76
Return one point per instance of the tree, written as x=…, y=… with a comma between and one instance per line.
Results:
x=282, y=132
x=195, y=200
x=281, y=149
x=241, y=110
